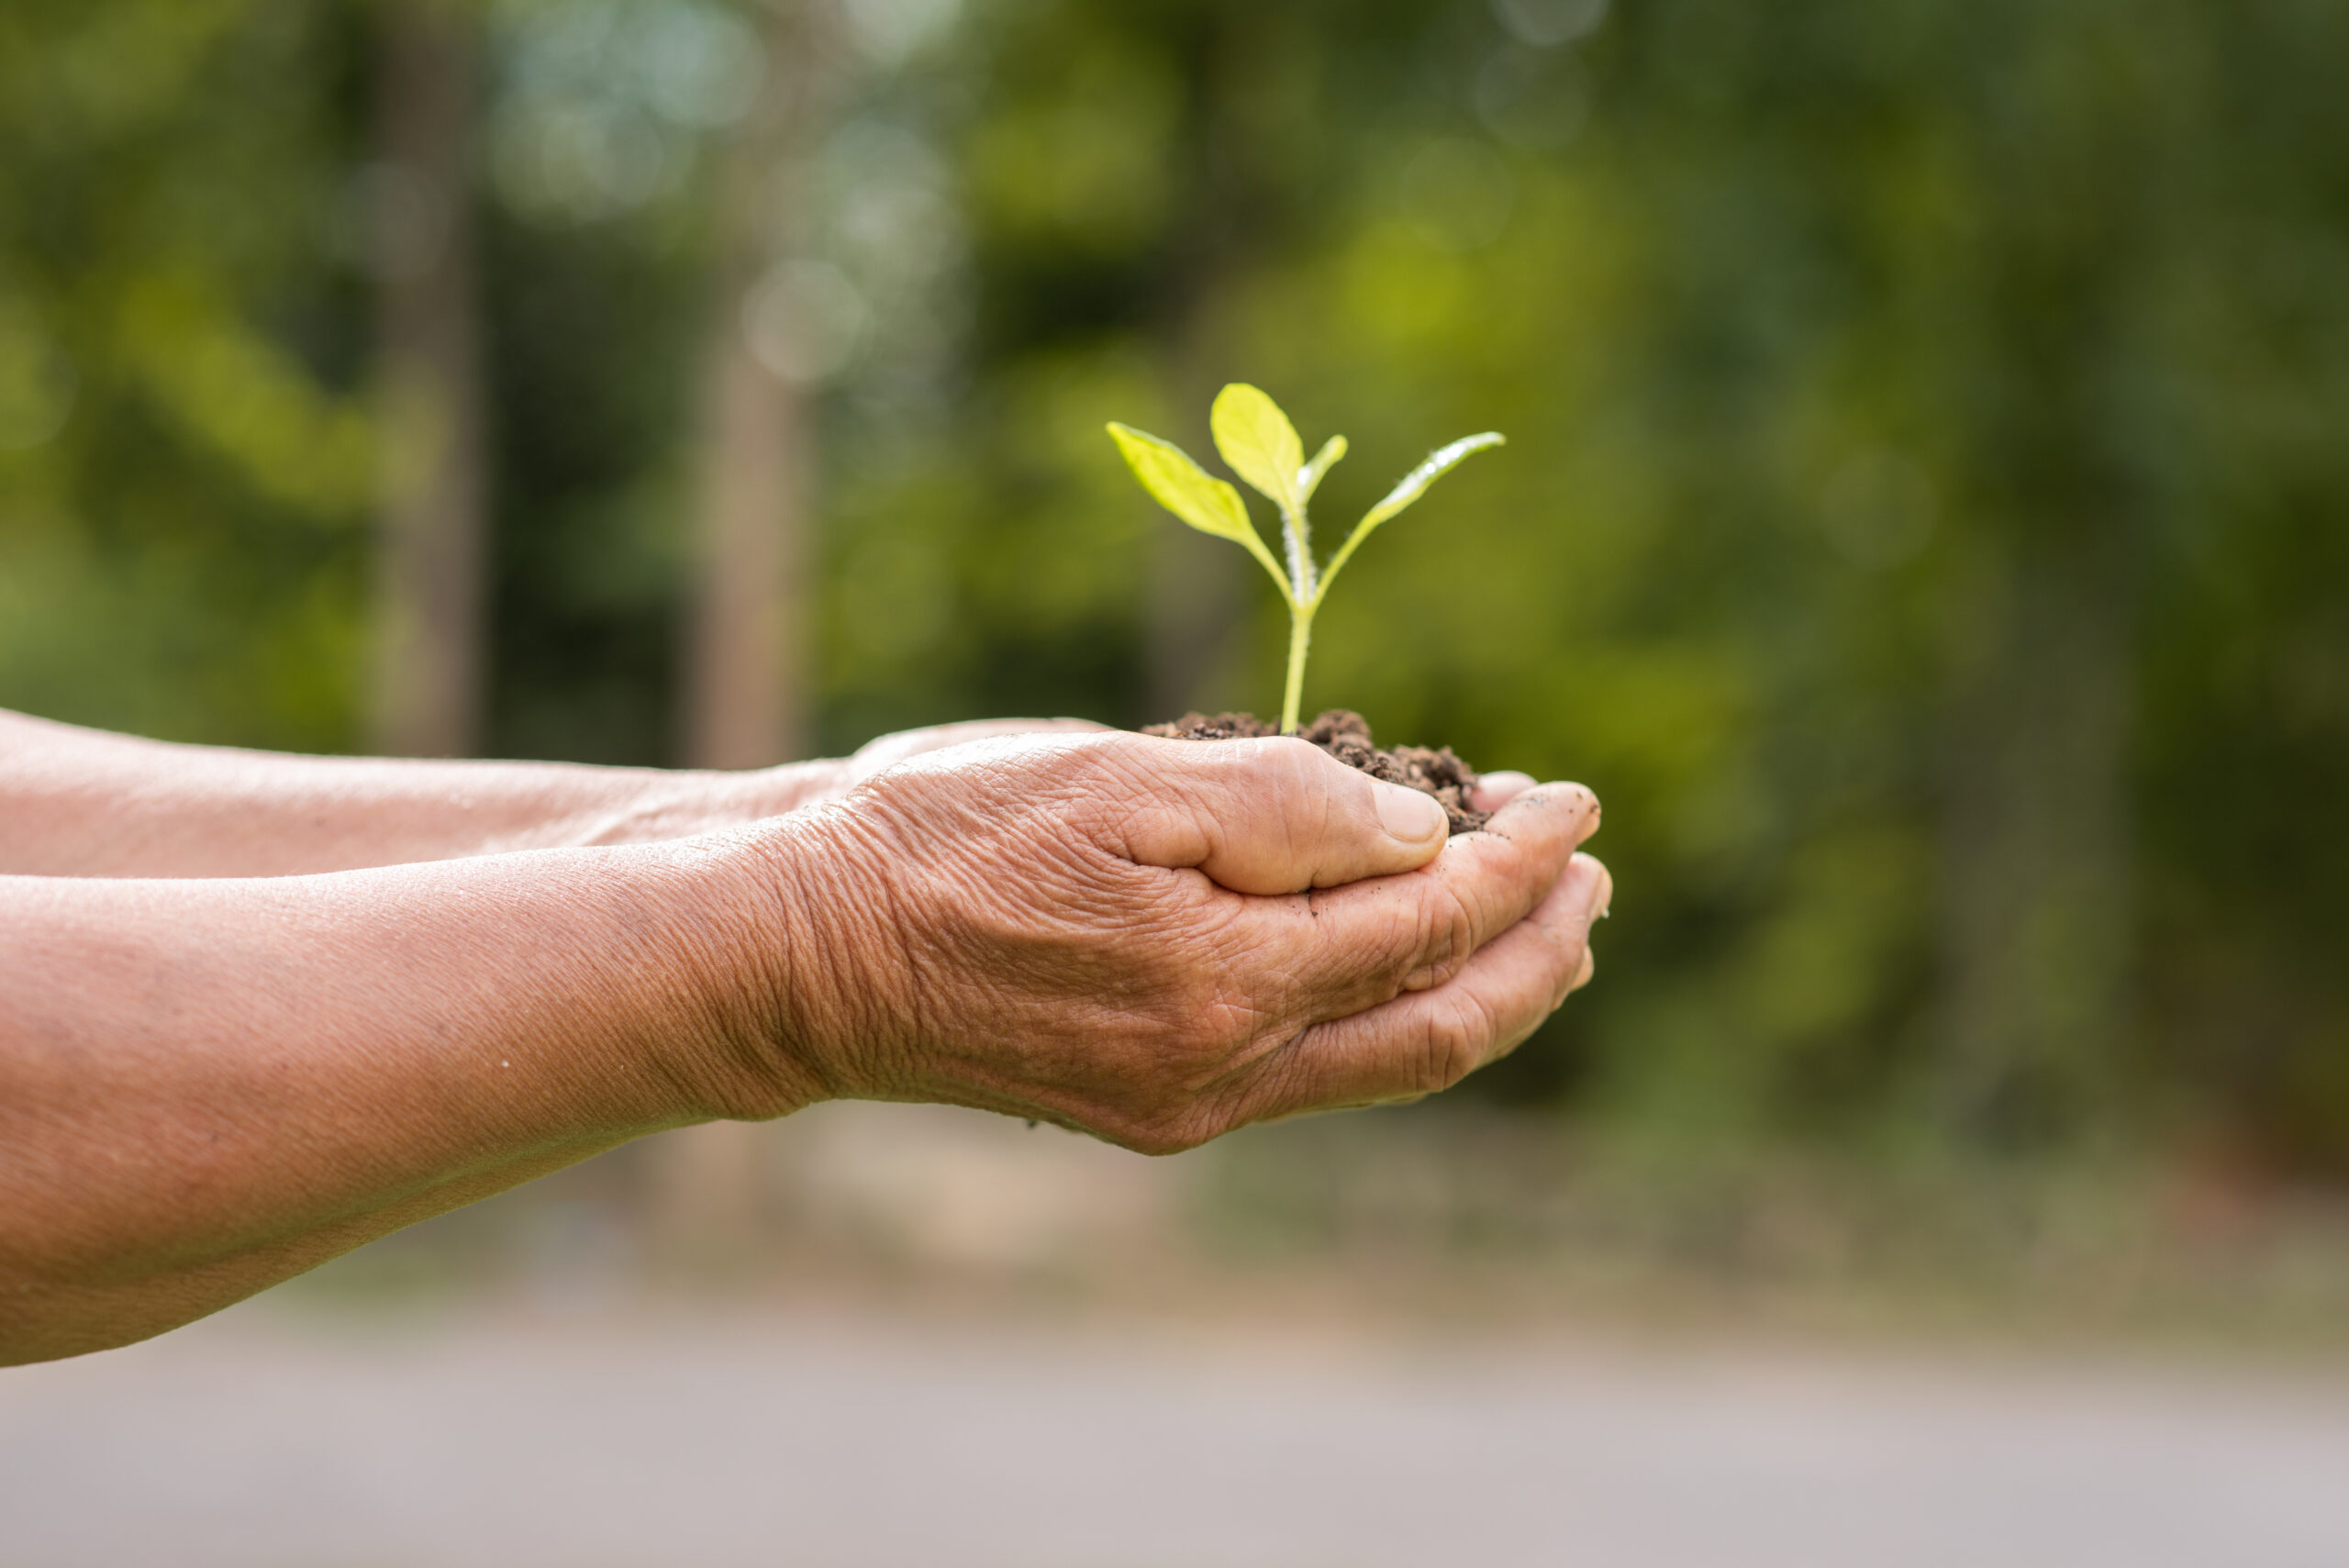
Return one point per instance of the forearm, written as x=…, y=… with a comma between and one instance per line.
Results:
x=82, y=803
x=207, y=1086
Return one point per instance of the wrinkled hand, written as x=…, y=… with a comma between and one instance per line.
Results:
x=1157, y=941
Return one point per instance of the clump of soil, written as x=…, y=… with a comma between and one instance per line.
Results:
x=1345, y=735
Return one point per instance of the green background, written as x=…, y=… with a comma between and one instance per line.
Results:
x=1925, y=520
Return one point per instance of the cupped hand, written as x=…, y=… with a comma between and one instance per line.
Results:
x=1157, y=941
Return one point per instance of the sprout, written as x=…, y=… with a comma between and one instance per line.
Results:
x=1256, y=438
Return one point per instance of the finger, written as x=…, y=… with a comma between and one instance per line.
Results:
x=1352, y=948
x=1493, y=878
x=1589, y=959
x=1494, y=791
x=1427, y=1040
x=1265, y=816
x=888, y=750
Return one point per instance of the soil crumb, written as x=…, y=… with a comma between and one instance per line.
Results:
x=1345, y=735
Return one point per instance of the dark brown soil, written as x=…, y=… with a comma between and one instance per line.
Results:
x=1345, y=735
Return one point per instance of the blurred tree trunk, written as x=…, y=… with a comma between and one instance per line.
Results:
x=746, y=660
x=1203, y=593
x=746, y=702
x=2038, y=909
x=428, y=677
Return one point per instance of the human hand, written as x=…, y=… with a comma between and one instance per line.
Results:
x=1157, y=941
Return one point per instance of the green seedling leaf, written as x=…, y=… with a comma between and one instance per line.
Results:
x=1440, y=463
x=1256, y=438
x=1308, y=478
x=1192, y=493
x=1442, y=460
x=1182, y=486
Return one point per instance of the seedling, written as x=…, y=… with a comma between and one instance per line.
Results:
x=1257, y=439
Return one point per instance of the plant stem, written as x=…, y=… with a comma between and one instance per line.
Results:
x=1304, y=598
x=1297, y=535
x=1300, y=638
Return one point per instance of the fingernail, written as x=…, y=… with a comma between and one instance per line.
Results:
x=1408, y=815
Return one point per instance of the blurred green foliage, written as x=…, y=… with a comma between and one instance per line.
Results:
x=1926, y=521
x=184, y=462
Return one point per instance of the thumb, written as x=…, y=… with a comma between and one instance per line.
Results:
x=1273, y=816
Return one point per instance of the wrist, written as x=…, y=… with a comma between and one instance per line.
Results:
x=786, y=994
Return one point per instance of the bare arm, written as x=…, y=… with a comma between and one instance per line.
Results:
x=209, y=1085
x=78, y=802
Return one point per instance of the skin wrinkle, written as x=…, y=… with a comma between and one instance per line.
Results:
x=1319, y=986
x=767, y=1021
x=1447, y=934
x=786, y=1000
x=690, y=933
x=1461, y=1050
x=883, y=863
x=1258, y=1038
x=1031, y=967
x=1411, y=928
x=805, y=869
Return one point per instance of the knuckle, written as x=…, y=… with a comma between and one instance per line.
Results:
x=1451, y=1046
x=1447, y=930
x=1296, y=760
x=1300, y=771
x=1223, y=1029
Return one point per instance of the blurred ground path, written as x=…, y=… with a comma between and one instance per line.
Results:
x=260, y=1439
